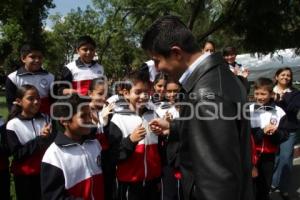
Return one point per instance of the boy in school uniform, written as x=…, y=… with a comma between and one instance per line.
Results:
x=31, y=73
x=71, y=166
x=134, y=146
x=268, y=132
x=82, y=71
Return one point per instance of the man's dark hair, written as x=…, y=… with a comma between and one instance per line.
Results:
x=29, y=48
x=83, y=40
x=68, y=107
x=166, y=32
x=264, y=83
x=229, y=51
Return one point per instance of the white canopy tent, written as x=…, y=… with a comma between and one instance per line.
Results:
x=267, y=65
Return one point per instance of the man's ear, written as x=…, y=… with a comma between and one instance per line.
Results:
x=177, y=52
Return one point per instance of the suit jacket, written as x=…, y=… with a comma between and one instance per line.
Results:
x=214, y=153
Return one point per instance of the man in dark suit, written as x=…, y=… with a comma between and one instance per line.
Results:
x=212, y=132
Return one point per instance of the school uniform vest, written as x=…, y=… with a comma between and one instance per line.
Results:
x=145, y=163
x=260, y=118
x=82, y=75
x=23, y=138
x=41, y=79
x=79, y=165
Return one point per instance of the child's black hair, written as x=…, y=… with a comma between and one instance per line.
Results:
x=21, y=91
x=83, y=40
x=208, y=42
x=134, y=78
x=264, y=83
x=229, y=50
x=96, y=81
x=68, y=107
x=160, y=76
x=29, y=48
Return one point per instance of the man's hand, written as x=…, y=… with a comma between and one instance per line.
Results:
x=160, y=126
x=138, y=134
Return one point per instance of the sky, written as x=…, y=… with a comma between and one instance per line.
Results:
x=65, y=6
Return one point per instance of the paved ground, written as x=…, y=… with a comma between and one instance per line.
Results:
x=295, y=186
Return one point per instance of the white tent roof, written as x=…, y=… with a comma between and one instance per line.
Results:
x=267, y=65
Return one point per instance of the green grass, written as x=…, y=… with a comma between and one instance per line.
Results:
x=3, y=107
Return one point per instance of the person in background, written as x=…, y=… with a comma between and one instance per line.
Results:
x=268, y=132
x=28, y=135
x=284, y=159
x=134, y=147
x=71, y=167
x=208, y=46
x=81, y=72
x=31, y=73
x=229, y=54
x=159, y=85
x=101, y=115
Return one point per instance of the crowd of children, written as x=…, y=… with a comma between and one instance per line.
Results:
x=102, y=147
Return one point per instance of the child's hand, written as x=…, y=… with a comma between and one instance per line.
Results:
x=168, y=116
x=245, y=73
x=106, y=111
x=69, y=91
x=254, y=172
x=46, y=130
x=270, y=129
x=138, y=134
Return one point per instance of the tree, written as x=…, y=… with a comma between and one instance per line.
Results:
x=21, y=21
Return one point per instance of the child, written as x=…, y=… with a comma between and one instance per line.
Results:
x=134, y=146
x=4, y=165
x=171, y=175
x=169, y=110
x=71, y=166
x=30, y=73
x=159, y=85
x=101, y=114
x=229, y=54
x=268, y=133
x=81, y=72
x=28, y=136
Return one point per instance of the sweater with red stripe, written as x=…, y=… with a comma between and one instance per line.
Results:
x=41, y=79
x=72, y=170
x=136, y=162
x=261, y=116
x=26, y=144
x=80, y=75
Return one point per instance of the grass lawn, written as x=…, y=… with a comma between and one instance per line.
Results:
x=3, y=108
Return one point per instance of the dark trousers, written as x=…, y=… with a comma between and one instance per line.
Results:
x=150, y=190
x=5, y=184
x=171, y=189
x=28, y=187
x=263, y=182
